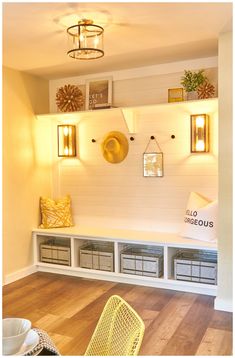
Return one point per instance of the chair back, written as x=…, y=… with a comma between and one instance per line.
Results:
x=119, y=331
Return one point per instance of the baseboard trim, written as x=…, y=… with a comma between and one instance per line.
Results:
x=17, y=275
x=223, y=305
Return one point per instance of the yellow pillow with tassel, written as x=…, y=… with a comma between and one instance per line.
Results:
x=56, y=213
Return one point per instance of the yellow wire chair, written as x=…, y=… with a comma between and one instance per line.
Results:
x=119, y=331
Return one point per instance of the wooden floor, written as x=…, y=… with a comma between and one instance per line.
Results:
x=68, y=308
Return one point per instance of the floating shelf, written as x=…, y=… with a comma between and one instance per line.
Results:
x=130, y=114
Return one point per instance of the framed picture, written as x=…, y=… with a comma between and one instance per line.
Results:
x=153, y=164
x=175, y=95
x=99, y=93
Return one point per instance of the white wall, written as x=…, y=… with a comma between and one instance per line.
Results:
x=225, y=279
x=26, y=167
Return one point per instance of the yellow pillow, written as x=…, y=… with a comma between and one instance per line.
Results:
x=55, y=213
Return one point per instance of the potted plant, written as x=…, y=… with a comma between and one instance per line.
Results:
x=191, y=80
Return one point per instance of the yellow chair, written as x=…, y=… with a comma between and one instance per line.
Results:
x=119, y=331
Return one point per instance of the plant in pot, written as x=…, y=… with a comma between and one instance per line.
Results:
x=191, y=80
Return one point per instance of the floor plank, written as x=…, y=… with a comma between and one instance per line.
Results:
x=166, y=324
x=221, y=320
x=215, y=343
x=189, y=333
x=60, y=341
x=68, y=308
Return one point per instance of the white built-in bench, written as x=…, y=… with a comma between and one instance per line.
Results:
x=77, y=236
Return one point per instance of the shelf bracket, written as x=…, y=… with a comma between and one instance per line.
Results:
x=129, y=116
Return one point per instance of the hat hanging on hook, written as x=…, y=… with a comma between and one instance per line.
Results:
x=115, y=147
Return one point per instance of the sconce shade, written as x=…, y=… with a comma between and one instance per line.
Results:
x=85, y=40
x=66, y=140
x=199, y=133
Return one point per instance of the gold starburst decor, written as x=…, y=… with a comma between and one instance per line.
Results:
x=205, y=90
x=69, y=98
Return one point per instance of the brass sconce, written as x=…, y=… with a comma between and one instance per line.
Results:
x=66, y=140
x=199, y=133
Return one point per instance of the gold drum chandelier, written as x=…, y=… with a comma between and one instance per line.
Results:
x=85, y=40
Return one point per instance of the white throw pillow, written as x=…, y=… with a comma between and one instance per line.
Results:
x=200, y=220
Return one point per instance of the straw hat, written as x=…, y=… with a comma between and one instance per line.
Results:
x=115, y=147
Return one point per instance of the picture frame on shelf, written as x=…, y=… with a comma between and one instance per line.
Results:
x=99, y=93
x=153, y=164
x=175, y=95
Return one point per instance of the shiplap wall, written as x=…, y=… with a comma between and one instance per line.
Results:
x=117, y=195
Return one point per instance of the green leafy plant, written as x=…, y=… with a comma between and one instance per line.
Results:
x=191, y=80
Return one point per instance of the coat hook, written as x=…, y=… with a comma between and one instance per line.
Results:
x=93, y=140
x=173, y=136
x=152, y=137
x=132, y=138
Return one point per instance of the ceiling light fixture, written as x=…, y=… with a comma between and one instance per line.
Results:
x=85, y=40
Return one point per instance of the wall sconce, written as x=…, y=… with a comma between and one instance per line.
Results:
x=199, y=133
x=66, y=140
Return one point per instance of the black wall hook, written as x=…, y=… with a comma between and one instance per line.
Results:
x=173, y=136
x=93, y=140
x=152, y=137
x=132, y=138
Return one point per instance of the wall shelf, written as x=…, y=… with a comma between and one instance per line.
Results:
x=130, y=114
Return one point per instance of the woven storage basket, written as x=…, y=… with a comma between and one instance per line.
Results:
x=196, y=266
x=97, y=256
x=55, y=253
x=142, y=260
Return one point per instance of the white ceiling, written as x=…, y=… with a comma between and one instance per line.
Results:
x=136, y=34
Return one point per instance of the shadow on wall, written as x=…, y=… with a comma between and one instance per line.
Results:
x=23, y=96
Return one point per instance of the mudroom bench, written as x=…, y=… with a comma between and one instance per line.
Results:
x=156, y=259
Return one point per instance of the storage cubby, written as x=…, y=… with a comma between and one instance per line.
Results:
x=54, y=250
x=192, y=265
x=134, y=257
x=97, y=256
x=94, y=254
x=141, y=260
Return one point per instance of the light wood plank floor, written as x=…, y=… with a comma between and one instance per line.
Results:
x=68, y=309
